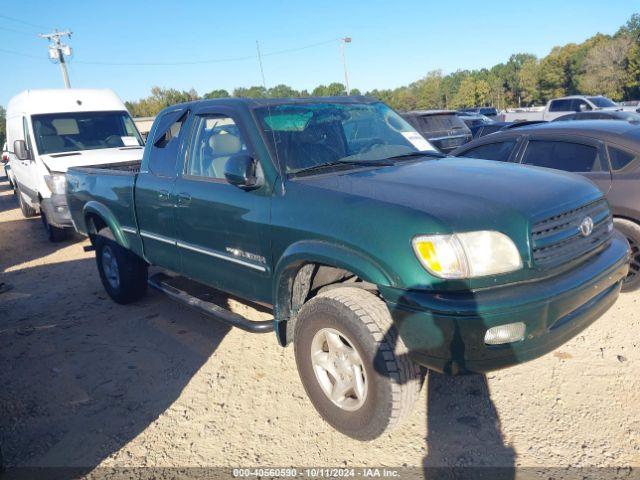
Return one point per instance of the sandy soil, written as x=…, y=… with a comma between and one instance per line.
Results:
x=86, y=382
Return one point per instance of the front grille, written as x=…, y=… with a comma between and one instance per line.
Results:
x=558, y=239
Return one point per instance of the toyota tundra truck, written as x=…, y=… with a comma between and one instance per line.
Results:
x=378, y=256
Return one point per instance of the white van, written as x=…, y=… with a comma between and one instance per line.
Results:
x=49, y=131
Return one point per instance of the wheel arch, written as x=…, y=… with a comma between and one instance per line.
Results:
x=97, y=216
x=292, y=277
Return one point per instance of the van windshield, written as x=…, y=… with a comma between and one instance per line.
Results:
x=71, y=132
x=311, y=134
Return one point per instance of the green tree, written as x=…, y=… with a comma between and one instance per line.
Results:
x=604, y=68
x=221, y=93
x=283, y=91
x=3, y=126
x=528, y=82
x=331, y=90
x=251, y=92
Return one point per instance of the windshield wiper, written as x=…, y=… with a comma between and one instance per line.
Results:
x=328, y=165
x=422, y=153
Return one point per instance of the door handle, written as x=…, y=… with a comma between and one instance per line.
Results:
x=184, y=199
x=163, y=195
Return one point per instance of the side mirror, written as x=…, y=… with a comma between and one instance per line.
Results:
x=20, y=149
x=584, y=107
x=240, y=170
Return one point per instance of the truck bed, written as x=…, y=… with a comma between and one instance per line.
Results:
x=108, y=187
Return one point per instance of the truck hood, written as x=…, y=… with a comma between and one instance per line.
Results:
x=464, y=194
x=60, y=162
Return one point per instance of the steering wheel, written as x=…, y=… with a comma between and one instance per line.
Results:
x=113, y=140
x=367, y=147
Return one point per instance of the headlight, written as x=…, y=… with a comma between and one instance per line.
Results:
x=56, y=182
x=467, y=255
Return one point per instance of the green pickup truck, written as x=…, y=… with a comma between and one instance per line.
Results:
x=377, y=255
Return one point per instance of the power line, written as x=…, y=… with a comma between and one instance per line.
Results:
x=12, y=52
x=23, y=22
x=199, y=62
x=196, y=62
x=22, y=32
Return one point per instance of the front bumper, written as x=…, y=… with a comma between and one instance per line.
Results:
x=445, y=330
x=57, y=211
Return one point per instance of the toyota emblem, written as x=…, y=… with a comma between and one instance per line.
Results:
x=586, y=226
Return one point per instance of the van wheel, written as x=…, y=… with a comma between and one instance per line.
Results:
x=123, y=274
x=352, y=363
x=27, y=210
x=631, y=230
x=54, y=234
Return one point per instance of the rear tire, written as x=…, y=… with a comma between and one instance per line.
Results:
x=351, y=331
x=124, y=275
x=54, y=234
x=27, y=210
x=631, y=231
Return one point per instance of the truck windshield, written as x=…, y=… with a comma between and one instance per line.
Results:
x=71, y=132
x=601, y=102
x=306, y=135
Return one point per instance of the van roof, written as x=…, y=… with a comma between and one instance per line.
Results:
x=64, y=100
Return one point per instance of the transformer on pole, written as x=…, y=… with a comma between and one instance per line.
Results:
x=58, y=51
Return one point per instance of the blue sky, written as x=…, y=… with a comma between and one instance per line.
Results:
x=394, y=43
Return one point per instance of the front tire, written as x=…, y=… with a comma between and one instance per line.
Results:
x=124, y=275
x=54, y=234
x=27, y=210
x=631, y=231
x=352, y=363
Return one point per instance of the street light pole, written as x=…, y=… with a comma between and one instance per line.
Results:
x=343, y=44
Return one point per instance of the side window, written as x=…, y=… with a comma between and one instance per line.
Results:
x=492, y=151
x=571, y=157
x=25, y=132
x=620, y=158
x=215, y=139
x=579, y=105
x=560, y=106
x=164, y=152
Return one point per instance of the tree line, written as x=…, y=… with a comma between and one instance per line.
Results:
x=603, y=64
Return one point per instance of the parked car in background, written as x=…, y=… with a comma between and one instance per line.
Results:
x=442, y=128
x=49, y=131
x=558, y=107
x=490, y=112
x=474, y=119
x=606, y=152
x=632, y=117
x=374, y=256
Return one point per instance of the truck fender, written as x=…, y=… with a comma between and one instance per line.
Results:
x=100, y=210
x=322, y=253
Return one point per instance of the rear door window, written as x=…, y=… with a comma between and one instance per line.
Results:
x=568, y=156
x=500, y=151
x=620, y=158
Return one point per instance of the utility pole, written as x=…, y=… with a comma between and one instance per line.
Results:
x=343, y=44
x=58, y=51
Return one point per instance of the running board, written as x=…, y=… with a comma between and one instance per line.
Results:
x=179, y=293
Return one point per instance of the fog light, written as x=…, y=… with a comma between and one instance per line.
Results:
x=61, y=209
x=509, y=333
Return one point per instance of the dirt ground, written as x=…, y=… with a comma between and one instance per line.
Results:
x=85, y=382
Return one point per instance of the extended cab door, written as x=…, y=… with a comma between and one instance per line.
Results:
x=571, y=154
x=223, y=231
x=154, y=198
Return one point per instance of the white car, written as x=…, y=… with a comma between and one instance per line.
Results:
x=558, y=107
x=49, y=131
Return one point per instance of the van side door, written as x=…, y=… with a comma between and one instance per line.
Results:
x=154, y=200
x=223, y=230
x=25, y=171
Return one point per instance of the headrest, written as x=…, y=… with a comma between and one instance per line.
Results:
x=224, y=144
